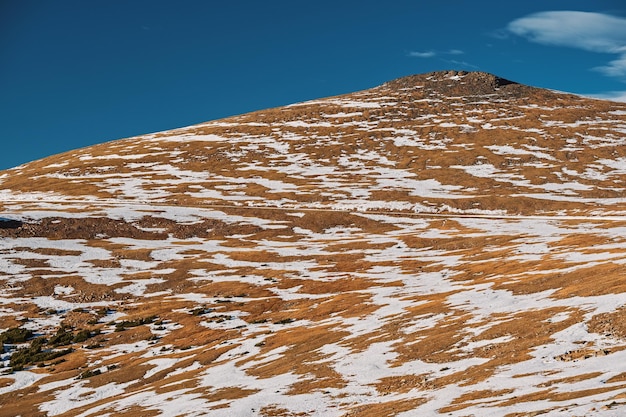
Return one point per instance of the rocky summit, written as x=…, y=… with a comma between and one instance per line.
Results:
x=448, y=243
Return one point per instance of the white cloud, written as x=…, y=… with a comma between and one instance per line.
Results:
x=594, y=32
x=611, y=95
x=462, y=64
x=430, y=54
x=427, y=54
x=615, y=68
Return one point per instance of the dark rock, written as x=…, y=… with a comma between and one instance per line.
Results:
x=10, y=223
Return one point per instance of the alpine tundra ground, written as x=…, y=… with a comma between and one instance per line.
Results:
x=449, y=243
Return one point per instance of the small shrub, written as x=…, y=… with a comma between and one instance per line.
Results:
x=89, y=374
x=15, y=335
x=104, y=311
x=201, y=310
x=61, y=338
x=123, y=325
x=34, y=354
x=82, y=335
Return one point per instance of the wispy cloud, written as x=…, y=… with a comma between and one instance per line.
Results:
x=427, y=54
x=444, y=56
x=594, y=32
x=463, y=64
x=615, y=68
x=431, y=54
x=611, y=95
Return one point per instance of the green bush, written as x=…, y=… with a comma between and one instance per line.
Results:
x=61, y=338
x=34, y=354
x=123, y=325
x=88, y=374
x=201, y=310
x=15, y=335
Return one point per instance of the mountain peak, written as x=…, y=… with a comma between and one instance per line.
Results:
x=460, y=83
x=447, y=243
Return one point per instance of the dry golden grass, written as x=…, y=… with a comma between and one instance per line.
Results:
x=279, y=289
x=384, y=408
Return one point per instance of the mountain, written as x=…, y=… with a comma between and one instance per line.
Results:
x=447, y=243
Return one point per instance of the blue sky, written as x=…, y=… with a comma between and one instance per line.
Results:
x=76, y=73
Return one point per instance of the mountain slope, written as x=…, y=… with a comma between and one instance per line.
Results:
x=444, y=243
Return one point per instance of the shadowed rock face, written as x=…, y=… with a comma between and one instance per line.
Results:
x=446, y=243
x=9, y=223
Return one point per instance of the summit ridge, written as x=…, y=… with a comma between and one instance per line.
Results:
x=467, y=83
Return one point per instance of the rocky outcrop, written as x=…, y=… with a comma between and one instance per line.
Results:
x=461, y=83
